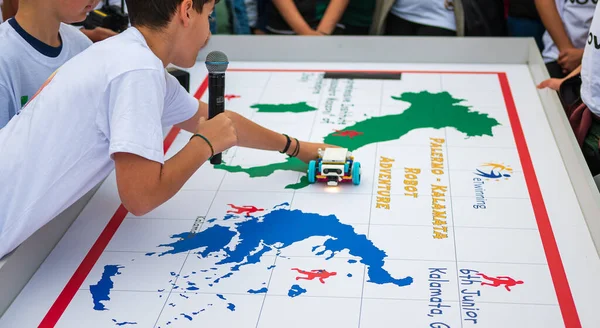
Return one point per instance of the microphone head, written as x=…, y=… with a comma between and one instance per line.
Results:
x=216, y=62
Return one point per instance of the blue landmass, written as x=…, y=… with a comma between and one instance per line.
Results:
x=258, y=291
x=123, y=323
x=296, y=290
x=231, y=307
x=101, y=290
x=286, y=227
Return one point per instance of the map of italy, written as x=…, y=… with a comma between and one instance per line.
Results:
x=427, y=110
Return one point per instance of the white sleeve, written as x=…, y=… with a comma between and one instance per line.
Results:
x=180, y=105
x=7, y=108
x=136, y=101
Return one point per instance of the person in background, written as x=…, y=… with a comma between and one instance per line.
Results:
x=358, y=17
x=34, y=44
x=238, y=17
x=567, y=24
x=305, y=17
x=524, y=21
x=584, y=116
x=98, y=34
x=414, y=17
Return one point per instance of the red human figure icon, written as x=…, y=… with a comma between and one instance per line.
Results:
x=312, y=274
x=244, y=209
x=499, y=281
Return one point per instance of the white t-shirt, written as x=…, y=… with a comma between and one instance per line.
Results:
x=114, y=97
x=576, y=18
x=425, y=12
x=590, y=67
x=25, y=63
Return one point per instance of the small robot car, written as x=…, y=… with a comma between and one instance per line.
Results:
x=334, y=165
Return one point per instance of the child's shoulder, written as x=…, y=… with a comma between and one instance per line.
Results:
x=120, y=54
x=10, y=42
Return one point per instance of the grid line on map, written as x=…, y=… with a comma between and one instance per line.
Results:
x=352, y=193
x=373, y=188
x=262, y=305
x=449, y=195
x=316, y=116
x=200, y=227
x=350, y=297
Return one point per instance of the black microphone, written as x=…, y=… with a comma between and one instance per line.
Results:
x=216, y=63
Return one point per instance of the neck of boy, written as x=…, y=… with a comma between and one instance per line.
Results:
x=158, y=42
x=39, y=23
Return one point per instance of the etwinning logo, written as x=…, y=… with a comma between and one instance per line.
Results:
x=494, y=171
x=484, y=174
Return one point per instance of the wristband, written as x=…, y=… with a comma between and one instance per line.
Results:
x=287, y=145
x=212, y=151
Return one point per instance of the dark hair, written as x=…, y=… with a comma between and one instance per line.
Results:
x=156, y=14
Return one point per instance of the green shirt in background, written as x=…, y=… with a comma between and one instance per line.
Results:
x=359, y=13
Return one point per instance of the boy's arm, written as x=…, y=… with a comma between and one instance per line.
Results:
x=553, y=23
x=555, y=83
x=252, y=135
x=144, y=184
x=333, y=14
x=292, y=16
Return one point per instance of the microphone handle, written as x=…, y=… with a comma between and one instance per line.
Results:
x=216, y=102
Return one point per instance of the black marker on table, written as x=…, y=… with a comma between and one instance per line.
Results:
x=216, y=63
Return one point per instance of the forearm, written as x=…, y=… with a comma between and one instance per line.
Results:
x=143, y=190
x=333, y=14
x=250, y=134
x=292, y=16
x=553, y=23
x=573, y=73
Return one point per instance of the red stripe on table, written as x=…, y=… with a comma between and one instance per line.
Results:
x=557, y=271
x=67, y=294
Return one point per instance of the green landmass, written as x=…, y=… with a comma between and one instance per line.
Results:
x=290, y=164
x=300, y=107
x=427, y=110
x=301, y=184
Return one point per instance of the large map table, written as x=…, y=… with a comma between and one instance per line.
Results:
x=467, y=215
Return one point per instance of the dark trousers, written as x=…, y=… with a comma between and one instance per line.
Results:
x=398, y=26
x=555, y=70
x=356, y=30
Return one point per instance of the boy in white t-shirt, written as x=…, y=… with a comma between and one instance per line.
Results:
x=585, y=118
x=567, y=24
x=105, y=109
x=34, y=44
